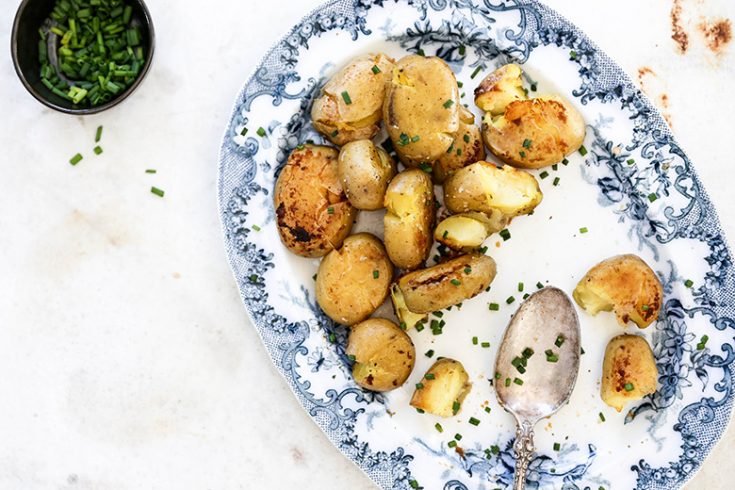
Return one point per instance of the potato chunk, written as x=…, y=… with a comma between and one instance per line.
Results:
x=468, y=231
x=624, y=284
x=407, y=317
x=499, y=89
x=628, y=372
x=443, y=389
x=365, y=171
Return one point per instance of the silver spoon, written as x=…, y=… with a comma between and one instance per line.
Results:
x=546, y=321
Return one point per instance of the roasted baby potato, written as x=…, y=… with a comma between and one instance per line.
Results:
x=628, y=372
x=365, y=171
x=350, y=105
x=466, y=149
x=312, y=210
x=448, y=283
x=485, y=188
x=624, y=284
x=409, y=219
x=383, y=354
x=408, y=318
x=499, y=89
x=421, y=109
x=442, y=389
x=467, y=231
x=353, y=281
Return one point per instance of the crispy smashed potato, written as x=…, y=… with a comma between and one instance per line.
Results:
x=409, y=219
x=483, y=187
x=448, y=283
x=312, y=210
x=408, y=318
x=468, y=231
x=466, y=149
x=353, y=281
x=365, y=171
x=624, y=284
x=499, y=89
x=384, y=355
x=443, y=389
x=421, y=109
x=350, y=106
x=628, y=372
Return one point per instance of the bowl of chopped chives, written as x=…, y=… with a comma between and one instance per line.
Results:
x=82, y=56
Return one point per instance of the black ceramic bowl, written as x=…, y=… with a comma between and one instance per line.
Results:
x=24, y=47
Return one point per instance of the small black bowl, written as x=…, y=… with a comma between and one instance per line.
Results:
x=24, y=47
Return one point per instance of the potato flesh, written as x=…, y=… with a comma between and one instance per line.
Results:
x=418, y=123
x=384, y=355
x=347, y=288
x=365, y=171
x=499, y=89
x=628, y=372
x=624, y=284
x=448, y=283
x=483, y=187
x=405, y=316
x=342, y=122
x=312, y=210
x=450, y=385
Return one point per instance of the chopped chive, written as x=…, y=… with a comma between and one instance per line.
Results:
x=346, y=97
x=572, y=55
x=482, y=250
x=539, y=285
x=630, y=161
x=420, y=410
x=413, y=483
x=439, y=427
x=332, y=338
x=458, y=437
x=652, y=196
x=335, y=133
x=544, y=174
x=456, y=282
x=474, y=421
x=376, y=274
x=556, y=181
x=438, y=314
x=468, y=270
x=375, y=69
x=527, y=353
x=474, y=73
x=452, y=444
x=485, y=345
x=629, y=387
x=688, y=283
x=449, y=103
x=583, y=230
x=429, y=353
x=493, y=307
x=459, y=151
x=518, y=381
x=644, y=307
x=466, y=138
x=559, y=340
x=261, y=132
x=507, y=382
x=244, y=131
x=157, y=191
x=520, y=287
x=495, y=449
x=525, y=296
x=351, y=357
x=582, y=350
x=522, y=154
x=429, y=376
x=256, y=227
x=582, y=150
x=702, y=342
x=455, y=407
x=527, y=143
x=497, y=375
x=445, y=234
x=415, y=139
x=602, y=416
x=97, y=150
x=474, y=341
x=510, y=300
x=565, y=162
x=505, y=234
x=555, y=167
x=330, y=210
x=462, y=49
x=426, y=167
x=419, y=386
x=253, y=278
x=552, y=358
x=460, y=84
x=98, y=134
x=151, y=171
x=557, y=446
x=419, y=326
x=300, y=147
x=76, y=159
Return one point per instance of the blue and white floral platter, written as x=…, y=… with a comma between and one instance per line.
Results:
x=635, y=191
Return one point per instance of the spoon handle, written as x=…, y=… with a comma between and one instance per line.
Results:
x=523, y=448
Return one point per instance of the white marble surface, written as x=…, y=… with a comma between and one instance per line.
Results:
x=127, y=359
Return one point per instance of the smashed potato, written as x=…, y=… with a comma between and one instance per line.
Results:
x=499, y=89
x=353, y=281
x=483, y=187
x=365, y=171
x=350, y=105
x=468, y=231
x=628, y=372
x=312, y=211
x=409, y=219
x=408, y=318
x=384, y=355
x=448, y=283
x=624, y=284
x=442, y=389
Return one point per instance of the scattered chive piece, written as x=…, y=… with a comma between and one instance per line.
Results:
x=429, y=353
x=572, y=55
x=429, y=376
x=544, y=174
x=474, y=341
x=468, y=270
x=351, y=357
x=520, y=287
x=601, y=488
x=346, y=97
x=419, y=386
x=703, y=342
x=631, y=161
x=415, y=139
x=582, y=150
x=455, y=407
x=565, y=162
x=256, y=227
x=419, y=326
x=556, y=181
x=335, y=133
x=644, y=307
x=602, y=416
x=527, y=353
x=628, y=386
x=253, y=278
x=330, y=210
x=652, y=197
x=332, y=338
x=518, y=381
x=420, y=410
x=460, y=84
x=688, y=283
x=555, y=167
x=497, y=375
x=244, y=131
x=456, y=282
x=76, y=159
x=510, y=300
x=449, y=103
x=458, y=437
x=466, y=138
x=438, y=314
x=522, y=154
x=482, y=250
x=462, y=50
x=474, y=421
x=557, y=446
x=439, y=427
x=300, y=147
x=527, y=143
x=452, y=444
x=97, y=150
x=426, y=168
x=582, y=350
x=488, y=409
x=552, y=358
x=505, y=234
x=507, y=382
x=474, y=73
x=539, y=285
x=261, y=131
x=376, y=274
x=157, y=191
x=493, y=307
x=98, y=134
x=494, y=449
x=583, y=230
x=376, y=70
x=559, y=341
x=525, y=296
x=485, y=345
x=313, y=278
x=151, y=171
x=413, y=483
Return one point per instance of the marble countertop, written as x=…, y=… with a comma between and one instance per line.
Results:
x=128, y=361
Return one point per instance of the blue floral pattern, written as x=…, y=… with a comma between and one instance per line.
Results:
x=644, y=179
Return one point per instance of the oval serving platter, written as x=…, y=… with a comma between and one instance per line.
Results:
x=631, y=190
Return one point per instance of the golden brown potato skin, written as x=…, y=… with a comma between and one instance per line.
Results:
x=365, y=171
x=485, y=188
x=353, y=281
x=499, y=89
x=552, y=125
x=312, y=210
x=341, y=122
x=466, y=149
x=409, y=219
x=448, y=383
x=384, y=355
x=624, y=284
x=628, y=361
x=418, y=123
x=448, y=283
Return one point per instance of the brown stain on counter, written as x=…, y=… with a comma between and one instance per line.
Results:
x=717, y=34
x=661, y=100
x=678, y=34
